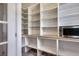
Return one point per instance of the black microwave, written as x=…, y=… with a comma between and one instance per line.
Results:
x=70, y=31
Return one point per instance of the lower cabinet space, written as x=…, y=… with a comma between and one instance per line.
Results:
x=43, y=53
x=67, y=48
x=47, y=45
x=33, y=46
x=29, y=52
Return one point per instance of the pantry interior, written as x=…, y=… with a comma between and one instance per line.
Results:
x=42, y=29
x=36, y=29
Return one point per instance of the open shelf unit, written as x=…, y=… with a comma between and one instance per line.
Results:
x=30, y=52
x=29, y=43
x=49, y=21
x=68, y=16
x=42, y=21
x=44, y=25
x=34, y=20
x=24, y=21
x=68, y=48
x=47, y=45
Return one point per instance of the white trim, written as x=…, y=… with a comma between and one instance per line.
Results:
x=11, y=17
x=2, y=43
x=4, y=22
x=19, y=29
x=57, y=42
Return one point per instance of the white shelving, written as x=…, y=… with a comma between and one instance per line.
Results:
x=69, y=14
x=43, y=28
x=24, y=21
x=47, y=45
x=49, y=22
x=34, y=21
x=42, y=19
x=68, y=48
x=50, y=31
x=32, y=42
x=29, y=42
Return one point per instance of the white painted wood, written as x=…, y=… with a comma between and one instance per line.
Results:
x=48, y=6
x=38, y=44
x=67, y=48
x=25, y=44
x=58, y=20
x=11, y=17
x=19, y=29
x=2, y=43
x=3, y=22
x=47, y=45
x=67, y=6
x=32, y=42
x=41, y=23
x=29, y=21
x=34, y=26
x=50, y=31
x=49, y=21
x=68, y=14
x=57, y=47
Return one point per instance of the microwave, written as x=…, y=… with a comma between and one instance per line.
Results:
x=70, y=31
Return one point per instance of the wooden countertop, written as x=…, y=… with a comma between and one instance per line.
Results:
x=54, y=38
x=60, y=38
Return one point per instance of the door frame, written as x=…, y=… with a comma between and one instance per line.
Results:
x=12, y=37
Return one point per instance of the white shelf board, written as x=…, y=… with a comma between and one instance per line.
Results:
x=47, y=7
x=49, y=10
x=31, y=46
x=55, y=26
x=2, y=43
x=68, y=6
x=72, y=14
x=25, y=8
x=35, y=13
x=50, y=18
x=69, y=39
x=3, y=22
x=48, y=51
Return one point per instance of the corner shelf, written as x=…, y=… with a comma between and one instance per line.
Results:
x=34, y=20
x=49, y=22
x=25, y=21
